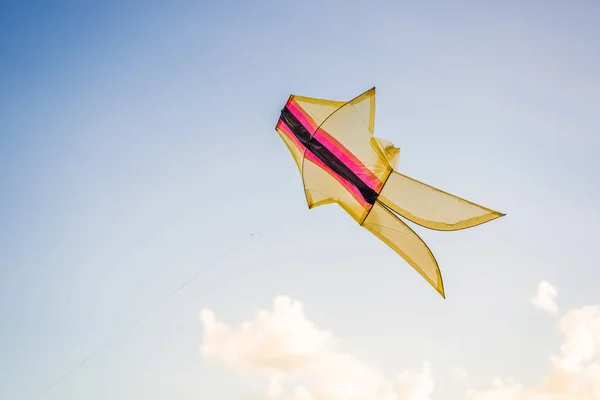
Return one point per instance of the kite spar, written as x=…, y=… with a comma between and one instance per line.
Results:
x=341, y=161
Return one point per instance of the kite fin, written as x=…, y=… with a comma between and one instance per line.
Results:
x=430, y=207
x=390, y=229
x=387, y=150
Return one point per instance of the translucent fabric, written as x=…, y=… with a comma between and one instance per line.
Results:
x=382, y=223
x=431, y=207
x=341, y=162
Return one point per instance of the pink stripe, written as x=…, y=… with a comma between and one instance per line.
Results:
x=337, y=148
x=347, y=185
x=360, y=170
x=288, y=132
x=308, y=154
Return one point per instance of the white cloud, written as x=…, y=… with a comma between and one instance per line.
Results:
x=581, y=329
x=459, y=374
x=416, y=385
x=278, y=340
x=545, y=298
x=574, y=373
x=300, y=360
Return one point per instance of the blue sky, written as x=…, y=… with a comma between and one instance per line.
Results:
x=137, y=144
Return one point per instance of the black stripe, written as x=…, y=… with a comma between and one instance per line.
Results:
x=326, y=156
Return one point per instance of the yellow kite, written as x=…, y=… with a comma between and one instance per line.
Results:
x=341, y=162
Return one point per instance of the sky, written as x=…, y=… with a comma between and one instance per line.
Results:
x=137, y=146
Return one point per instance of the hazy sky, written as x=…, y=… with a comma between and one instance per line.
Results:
x=137, y=145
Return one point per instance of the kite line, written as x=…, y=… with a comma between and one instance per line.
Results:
x=148, y=312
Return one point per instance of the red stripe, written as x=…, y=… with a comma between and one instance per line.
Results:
x=282, y=126
x=346, y=156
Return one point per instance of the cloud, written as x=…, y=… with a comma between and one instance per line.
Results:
x=459, y=374
x=545, y=298
x=279, y=340
x=574, y=372
x=301, y=361
x=581, y=345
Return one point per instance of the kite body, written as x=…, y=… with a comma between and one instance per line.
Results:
x=341, y=162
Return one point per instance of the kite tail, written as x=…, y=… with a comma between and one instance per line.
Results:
x=431, y=207
x=390, y=229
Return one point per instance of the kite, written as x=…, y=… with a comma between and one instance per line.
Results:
x=341, y=161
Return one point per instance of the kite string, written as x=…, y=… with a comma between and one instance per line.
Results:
x=148, y=312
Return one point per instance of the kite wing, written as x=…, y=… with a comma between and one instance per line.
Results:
x=341, y=162
x=430, y=207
